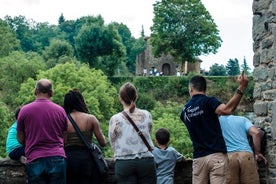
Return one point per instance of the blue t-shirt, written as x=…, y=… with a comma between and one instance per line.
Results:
x=202, y=123
x=166, y=160
x=235, y=130
x=12, y=142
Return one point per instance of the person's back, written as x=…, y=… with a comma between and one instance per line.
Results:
x=134, y=160
x=44, y=125
x=80, y=166
x=235, y=130
x=165, y=157
x=40, y=127
x=243, y=167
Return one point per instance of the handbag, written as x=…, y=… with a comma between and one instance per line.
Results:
x=138, y=131
x=95, y=151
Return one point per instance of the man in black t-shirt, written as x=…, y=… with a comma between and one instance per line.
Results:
x=200, y=115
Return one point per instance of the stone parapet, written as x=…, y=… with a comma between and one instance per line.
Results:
x=13, y=172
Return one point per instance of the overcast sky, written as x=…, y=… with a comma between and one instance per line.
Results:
x=233, y=18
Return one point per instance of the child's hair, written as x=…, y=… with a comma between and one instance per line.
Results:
x=17, y=112
x=162, y=136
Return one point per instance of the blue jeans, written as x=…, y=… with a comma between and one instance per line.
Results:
x=48, y=170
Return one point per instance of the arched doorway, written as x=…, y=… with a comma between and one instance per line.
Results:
x=166, y=69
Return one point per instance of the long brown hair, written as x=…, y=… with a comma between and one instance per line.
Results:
x=128, y=94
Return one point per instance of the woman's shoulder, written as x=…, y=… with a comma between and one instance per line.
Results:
x=144, y=111
x=116, y=116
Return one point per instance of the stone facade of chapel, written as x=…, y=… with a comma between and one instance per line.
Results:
x=164, y=65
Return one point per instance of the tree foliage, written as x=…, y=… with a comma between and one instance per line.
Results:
x=61, y=19
x=133, y=46
x=167, y=116
x=233, y=67
x=93, y=84
x=16, y=69
x=110, y=47
x=217, y=70
x=100, y=46
x=184, y=29
x=33, y=36
x=57, y=50
x=245, y=67
x=8, y=40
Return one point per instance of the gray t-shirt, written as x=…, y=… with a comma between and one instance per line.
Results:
x=166, y=160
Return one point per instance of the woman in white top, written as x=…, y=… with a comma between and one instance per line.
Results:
x=134, y=162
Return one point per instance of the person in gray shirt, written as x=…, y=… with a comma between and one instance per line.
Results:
x=165, y=157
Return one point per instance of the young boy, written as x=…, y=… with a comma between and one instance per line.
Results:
x=15, y=150
x=165, y=157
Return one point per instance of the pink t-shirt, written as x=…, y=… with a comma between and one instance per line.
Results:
x=43, y=123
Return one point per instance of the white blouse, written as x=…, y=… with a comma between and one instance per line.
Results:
x=124, y=140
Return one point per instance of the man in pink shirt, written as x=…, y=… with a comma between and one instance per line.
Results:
x=40, y=127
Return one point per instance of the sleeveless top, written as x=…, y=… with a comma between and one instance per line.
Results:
x=73, y=138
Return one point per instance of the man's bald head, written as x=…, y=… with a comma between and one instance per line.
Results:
x=44, y=86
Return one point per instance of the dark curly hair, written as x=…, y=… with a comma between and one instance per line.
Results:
x=74, y=101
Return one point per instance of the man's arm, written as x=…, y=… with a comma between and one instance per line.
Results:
x=229, y=108
x=20, y=137
x=256, y=136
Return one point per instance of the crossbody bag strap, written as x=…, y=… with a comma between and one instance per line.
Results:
x=137, y=130
x=78, y=130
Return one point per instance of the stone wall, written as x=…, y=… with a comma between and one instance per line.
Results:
x=13, y=172
x=264, y=47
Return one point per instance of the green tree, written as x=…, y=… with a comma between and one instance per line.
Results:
x=57, y=50
x=61, y=19
x=101, y=47
x=127, y=41
x=100, y=95
x=16, y=69
x=184, y=29
x=42, y=34
x=22, y=27
x=69, y=31
x=8, y=40
x=217, y=70
x=245, y=67
x=133, y=46
x=233, y=67
x=33, y=36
